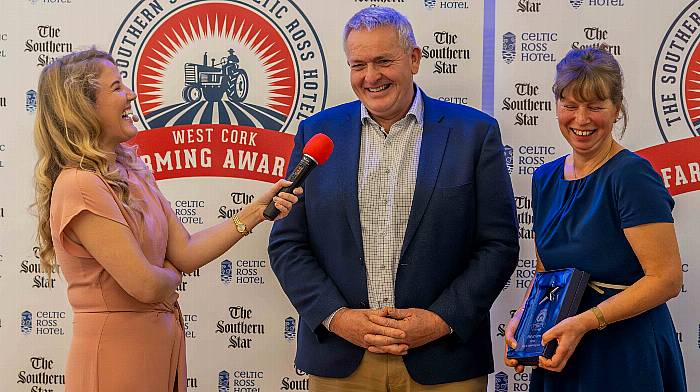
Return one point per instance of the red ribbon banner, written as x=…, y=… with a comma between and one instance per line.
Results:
x=678, y=164
x=215, y=150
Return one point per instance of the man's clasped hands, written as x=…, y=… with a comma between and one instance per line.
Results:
x=389, y=330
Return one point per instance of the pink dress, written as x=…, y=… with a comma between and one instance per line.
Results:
x=119, y=343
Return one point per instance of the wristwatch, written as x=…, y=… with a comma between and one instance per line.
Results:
x=241, y=227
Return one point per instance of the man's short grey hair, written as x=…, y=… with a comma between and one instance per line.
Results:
x=372, y=17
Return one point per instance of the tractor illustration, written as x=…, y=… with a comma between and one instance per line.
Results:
x=212, y=81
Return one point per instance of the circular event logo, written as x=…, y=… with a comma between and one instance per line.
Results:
x=676, y=78
x=676, y=97
x=212, y=74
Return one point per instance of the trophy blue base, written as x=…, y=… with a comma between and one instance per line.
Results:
x=555, y=295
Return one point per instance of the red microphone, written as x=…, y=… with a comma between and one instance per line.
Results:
x=316, y=152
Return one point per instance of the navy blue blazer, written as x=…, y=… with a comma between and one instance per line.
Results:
x=460, y=246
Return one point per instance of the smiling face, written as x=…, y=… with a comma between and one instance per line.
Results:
x=586, y=125
x=113, y=107
x=381, y=72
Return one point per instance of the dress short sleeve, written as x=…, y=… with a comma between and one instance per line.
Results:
x=535, y=194
x=640, y=195
x=76, y=191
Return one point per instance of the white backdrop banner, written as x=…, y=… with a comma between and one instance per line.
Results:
x=222, y=86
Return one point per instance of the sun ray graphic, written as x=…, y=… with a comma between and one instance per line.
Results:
x=216, y=65
x=692, y=88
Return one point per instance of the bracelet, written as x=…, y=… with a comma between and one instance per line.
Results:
x=601, y=319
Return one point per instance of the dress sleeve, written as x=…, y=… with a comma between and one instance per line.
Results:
x=641, y=196
x=535, y=194
x=76, y=191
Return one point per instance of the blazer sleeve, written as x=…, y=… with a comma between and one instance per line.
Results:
x=312, y=292
x=466, y=301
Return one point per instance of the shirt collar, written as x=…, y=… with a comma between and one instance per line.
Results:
x=416, y=109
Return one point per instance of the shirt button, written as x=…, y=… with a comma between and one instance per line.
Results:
x=386, y=171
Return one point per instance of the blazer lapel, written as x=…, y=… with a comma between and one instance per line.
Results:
x=432, y=150
x=349, y=155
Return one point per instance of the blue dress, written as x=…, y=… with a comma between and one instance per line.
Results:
x=580, y=224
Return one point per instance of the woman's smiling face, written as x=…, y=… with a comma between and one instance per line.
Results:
x=586, y=125
x=113, y=107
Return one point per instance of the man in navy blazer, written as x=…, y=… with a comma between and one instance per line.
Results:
x=435, y=173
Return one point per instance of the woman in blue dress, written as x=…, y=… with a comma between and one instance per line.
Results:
x=604, y=210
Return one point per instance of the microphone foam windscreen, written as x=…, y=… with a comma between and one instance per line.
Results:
x=319, y=147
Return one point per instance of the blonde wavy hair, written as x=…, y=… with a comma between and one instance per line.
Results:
x=67, y=135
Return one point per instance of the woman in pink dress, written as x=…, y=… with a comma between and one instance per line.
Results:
x=116, y=239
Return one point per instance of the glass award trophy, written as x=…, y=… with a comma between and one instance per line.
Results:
x=555, y=295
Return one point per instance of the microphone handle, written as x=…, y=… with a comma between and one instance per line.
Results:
x=301, y=171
